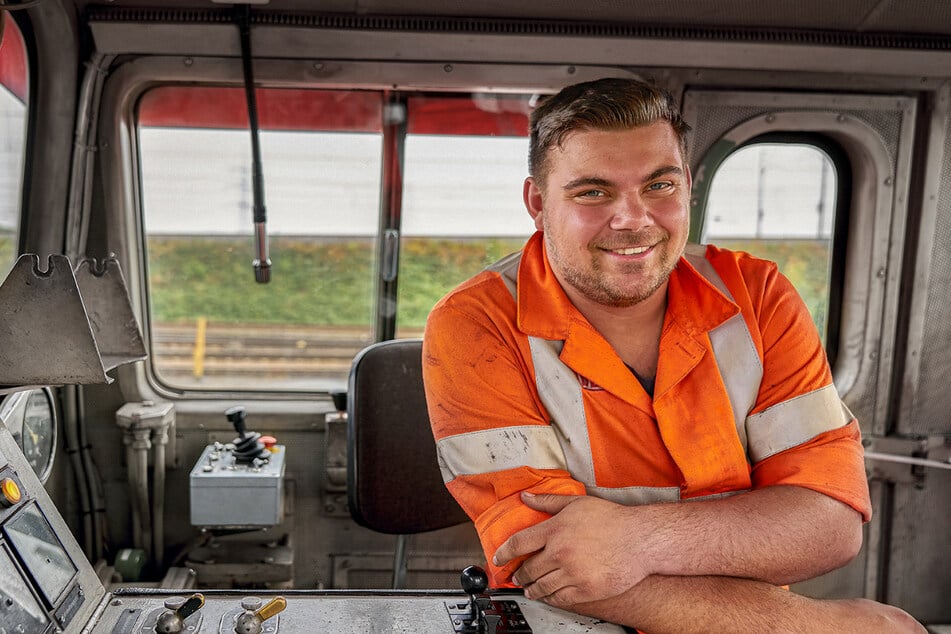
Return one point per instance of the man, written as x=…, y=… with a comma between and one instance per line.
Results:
x=642, y=434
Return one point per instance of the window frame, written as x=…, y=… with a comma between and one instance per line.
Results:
x=880, y=171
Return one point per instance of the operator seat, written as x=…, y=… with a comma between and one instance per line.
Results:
x=393, y=480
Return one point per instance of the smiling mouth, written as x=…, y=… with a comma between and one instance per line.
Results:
x=630, y=250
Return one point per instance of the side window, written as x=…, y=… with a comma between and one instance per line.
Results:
x=13, y=111
x=212, y=326
x=462, y=195
x=426, y=186
x=778, y=201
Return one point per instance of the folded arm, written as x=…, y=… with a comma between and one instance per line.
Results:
x=687, y=605
x=592, y=549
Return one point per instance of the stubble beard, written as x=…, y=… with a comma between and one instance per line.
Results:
x=595, y=285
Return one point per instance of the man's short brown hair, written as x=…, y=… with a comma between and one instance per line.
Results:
x=604, y=104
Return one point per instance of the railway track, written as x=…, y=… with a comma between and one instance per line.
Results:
x=220, y=350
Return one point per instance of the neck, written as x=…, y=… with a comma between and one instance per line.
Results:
x=633, y=331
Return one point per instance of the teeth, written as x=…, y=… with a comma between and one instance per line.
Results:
x=631, y=250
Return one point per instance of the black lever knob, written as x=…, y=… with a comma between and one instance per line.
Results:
x=474, y=580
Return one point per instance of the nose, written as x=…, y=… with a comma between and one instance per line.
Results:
x=630, y=213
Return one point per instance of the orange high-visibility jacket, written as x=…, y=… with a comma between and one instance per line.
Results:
x=525, y=395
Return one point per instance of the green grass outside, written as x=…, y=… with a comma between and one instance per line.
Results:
x=312, y=282
x=7, y=253
x=332, y=282
x=804, y=262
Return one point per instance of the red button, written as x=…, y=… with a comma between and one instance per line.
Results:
x=268, y=441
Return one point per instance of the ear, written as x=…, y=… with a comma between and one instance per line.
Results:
x=532, y=196
x=688, y=176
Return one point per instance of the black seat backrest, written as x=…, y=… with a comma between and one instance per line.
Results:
x=393, y=480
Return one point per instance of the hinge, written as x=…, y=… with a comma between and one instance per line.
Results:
x=905, y=460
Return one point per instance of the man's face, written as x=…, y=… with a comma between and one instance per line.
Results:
x=614, y=209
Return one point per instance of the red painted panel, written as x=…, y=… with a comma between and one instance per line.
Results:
x=330, y=110
x=13, y=60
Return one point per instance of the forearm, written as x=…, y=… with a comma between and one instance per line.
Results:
x=684, y=605
x=780, y=534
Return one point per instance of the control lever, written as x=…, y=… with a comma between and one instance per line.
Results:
x=475, y=582
x=247, y=446
x=482, y=613
x=251, y=620
x=177, y=609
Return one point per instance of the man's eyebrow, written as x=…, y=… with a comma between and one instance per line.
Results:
x=663, y=171
x=587, y=180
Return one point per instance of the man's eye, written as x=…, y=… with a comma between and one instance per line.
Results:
x=660, y=186
x=590, y=194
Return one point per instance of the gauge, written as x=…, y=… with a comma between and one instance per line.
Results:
x=30, y=416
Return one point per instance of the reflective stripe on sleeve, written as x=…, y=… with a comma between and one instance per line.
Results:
x=499, y=449
x=795, y=421
x=634, y=496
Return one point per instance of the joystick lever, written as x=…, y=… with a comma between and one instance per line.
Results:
x=235, y=416
x=177, y=609
x=475, y=582
x=482, y=613
x=247, y=446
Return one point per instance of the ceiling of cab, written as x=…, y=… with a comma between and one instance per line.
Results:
x=913, y=17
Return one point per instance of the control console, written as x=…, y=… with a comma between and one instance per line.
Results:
x=337, y=611
x=239, y=484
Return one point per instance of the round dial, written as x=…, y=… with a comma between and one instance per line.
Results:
x=39, y=432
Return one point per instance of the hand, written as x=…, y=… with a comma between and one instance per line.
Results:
x=587, y=551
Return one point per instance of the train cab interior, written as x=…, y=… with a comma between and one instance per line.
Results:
x=223, y=225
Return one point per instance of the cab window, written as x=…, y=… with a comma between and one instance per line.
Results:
x=779, y=201
x=462, y=196
x=377, y=205
x=13, y=112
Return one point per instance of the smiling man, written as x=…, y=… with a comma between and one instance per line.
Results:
x=643, y=431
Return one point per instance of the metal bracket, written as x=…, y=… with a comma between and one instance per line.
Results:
x=334, y=484
x=906, y=460
x=48, y=336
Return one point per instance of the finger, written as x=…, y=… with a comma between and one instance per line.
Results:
x=524, y=542
x=544, y=586
x=533, y=569
x=564, y=597
x=548, y=502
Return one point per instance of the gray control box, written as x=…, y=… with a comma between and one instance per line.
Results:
x=228, y=494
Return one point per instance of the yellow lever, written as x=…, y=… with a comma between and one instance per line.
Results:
x=272, y=607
